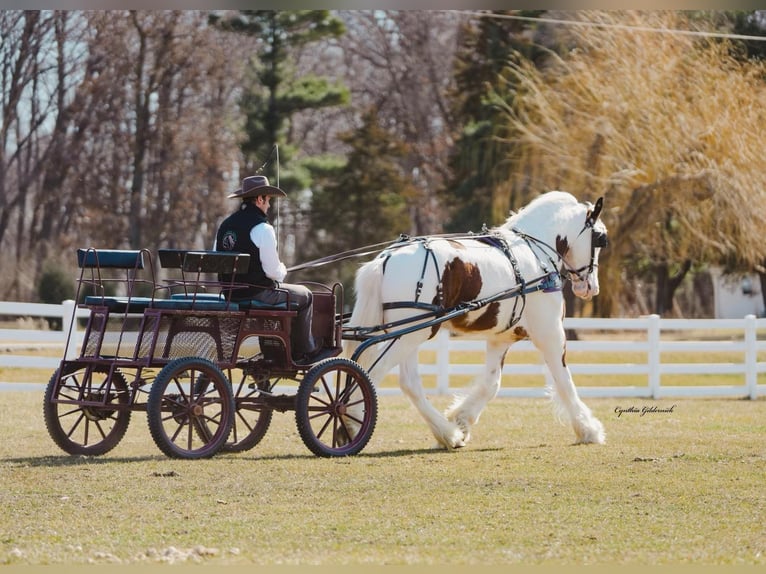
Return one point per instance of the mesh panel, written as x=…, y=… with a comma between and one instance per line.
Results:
x=147, y=337
x=91, y=343
x=209, y=337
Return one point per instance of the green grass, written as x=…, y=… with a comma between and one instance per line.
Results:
x=681, y=487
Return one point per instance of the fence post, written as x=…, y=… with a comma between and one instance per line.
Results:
x=751, y=357
x=69, y=328
x=442, y=361
x=653, y=355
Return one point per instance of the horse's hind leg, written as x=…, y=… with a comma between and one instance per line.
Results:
x=447, y=433
x=466, y=410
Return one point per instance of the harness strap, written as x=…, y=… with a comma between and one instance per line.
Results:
x=515, y=317
x=437, y=309
x=548, y=283
x=429, y=255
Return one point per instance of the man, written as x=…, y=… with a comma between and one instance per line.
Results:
x=248, y=230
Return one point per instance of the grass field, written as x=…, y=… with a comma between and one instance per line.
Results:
x=685, y=486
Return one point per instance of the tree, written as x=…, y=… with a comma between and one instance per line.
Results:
x=364, y=202
x=107, y=118
x=272, y=94
x=41, y=134
x=641, y=118
x=479, y=190
x=399, y=62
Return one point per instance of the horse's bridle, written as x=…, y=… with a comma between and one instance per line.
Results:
x=598, y=239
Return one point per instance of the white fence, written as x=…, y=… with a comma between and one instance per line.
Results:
x=737, y=339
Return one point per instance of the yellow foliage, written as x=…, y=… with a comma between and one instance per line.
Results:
x=667, y=126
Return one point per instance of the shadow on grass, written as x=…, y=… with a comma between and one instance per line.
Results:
x=363, y=455
x=64, y=461
x=81, y=460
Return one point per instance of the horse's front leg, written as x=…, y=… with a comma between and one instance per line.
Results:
x=551, y=341
x=466, y=410
x=447, y=433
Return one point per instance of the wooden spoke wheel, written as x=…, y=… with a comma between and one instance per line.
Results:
x=189, y=419
x=336, y=408
x=87, y=411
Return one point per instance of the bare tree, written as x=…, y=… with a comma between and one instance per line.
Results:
x=118, y=130
x=165, y=145
x=41, y=131
x=400, y=64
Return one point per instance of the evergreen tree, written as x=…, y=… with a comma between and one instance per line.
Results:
x=274, y=94
x=480, y=190
x=365, y=201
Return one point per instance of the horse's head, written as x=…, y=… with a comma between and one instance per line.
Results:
x=579, y=252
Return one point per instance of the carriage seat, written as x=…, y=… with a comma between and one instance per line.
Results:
x=111, y=258
x=198, y=303
x=128, y=259
x=211, y=298
x=120, y=304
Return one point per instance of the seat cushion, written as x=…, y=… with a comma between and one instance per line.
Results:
x=198, y=296
x=199, y=304
x=256, y=304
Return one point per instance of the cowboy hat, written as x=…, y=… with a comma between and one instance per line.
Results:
x=254, y=186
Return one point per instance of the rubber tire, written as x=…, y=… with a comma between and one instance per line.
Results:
x=156, y=402
x=109, y=438
x=316, y=415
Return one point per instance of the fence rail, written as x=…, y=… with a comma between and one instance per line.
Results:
x=610, y=337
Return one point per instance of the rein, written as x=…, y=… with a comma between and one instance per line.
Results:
x=549, y=281
x=403, y=239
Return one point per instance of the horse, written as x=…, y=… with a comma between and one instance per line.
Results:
x=503, y=285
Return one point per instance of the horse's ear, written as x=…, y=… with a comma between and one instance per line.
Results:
x=596, y=211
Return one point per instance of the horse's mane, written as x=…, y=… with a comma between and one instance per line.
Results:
x=541, y=202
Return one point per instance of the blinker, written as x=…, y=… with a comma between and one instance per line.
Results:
x=600, y=239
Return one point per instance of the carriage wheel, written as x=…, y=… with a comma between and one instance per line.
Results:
x=87, y=429
x=188, y=419
x=252, y=416
x=336, y=408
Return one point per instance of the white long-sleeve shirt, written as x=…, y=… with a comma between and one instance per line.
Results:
x=265, y=239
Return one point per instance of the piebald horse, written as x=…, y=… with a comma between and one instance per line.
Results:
x=515, y=273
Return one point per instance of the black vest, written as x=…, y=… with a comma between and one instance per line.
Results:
x=234, y=235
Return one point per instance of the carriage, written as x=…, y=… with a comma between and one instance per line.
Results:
x=181, y=351
x=207, y=371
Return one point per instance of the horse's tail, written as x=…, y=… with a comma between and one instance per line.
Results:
x=368, y=309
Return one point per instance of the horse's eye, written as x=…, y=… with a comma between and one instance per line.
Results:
x=599, y=239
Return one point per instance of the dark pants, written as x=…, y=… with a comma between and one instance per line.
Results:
x=301, y=298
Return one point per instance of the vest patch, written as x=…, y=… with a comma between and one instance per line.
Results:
x=229, y=241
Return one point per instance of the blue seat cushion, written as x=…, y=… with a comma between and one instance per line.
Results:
x=256, y=304
x=198, y=296
x=120, y=304
x=199, y=304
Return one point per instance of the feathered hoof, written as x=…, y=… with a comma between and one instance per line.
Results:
x=452, y=440
x=591, y=433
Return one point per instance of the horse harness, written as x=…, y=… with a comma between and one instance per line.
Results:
x=549, y=281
